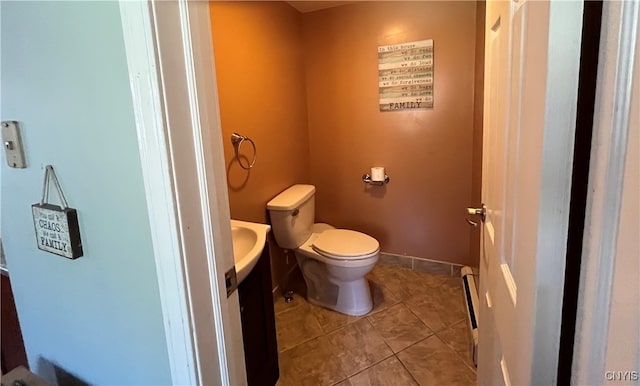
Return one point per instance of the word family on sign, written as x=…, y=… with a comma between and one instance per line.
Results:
x=57, y=230
x=405, y=75
x=53, y=232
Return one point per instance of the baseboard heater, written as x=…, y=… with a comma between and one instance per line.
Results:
x=472, y=306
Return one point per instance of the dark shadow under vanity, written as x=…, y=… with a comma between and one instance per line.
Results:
x=259, y=325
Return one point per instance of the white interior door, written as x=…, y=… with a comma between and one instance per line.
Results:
x=495, y=286
x=528, y=131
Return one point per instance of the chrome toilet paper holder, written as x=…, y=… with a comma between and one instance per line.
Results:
x=366, y=178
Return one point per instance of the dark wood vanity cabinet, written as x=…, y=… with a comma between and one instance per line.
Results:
x=13, y=353
x=259, y=325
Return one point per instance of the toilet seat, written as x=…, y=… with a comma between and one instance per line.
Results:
x=345, y=245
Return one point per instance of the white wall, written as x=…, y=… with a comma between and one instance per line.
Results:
x=64, y=77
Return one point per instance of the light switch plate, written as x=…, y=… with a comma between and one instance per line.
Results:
x=12, y=144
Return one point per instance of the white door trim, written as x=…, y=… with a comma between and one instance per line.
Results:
x=609, y=147
x=170, y=59
x=158, y=182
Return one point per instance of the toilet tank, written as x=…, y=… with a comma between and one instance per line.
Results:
x=292, y=214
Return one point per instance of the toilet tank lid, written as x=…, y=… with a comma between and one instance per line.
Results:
x=291, y=198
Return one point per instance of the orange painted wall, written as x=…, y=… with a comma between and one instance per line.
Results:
x=304, y=87
x=428, y=153
x=261, y=85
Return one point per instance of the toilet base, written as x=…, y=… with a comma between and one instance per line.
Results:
x=324, y=289
x=352, y=302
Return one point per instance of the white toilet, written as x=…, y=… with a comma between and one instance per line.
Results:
x=333, y=261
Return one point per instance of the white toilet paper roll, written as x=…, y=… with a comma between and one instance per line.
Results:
x=377, y=173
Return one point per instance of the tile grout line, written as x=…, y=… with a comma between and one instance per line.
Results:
x=420, y=319
x=327, y=333
x=373, y=364
x=460, y=356
x=357, y=319
x=399, y=300
x=299, y=344
x=383, y=339
x=407, y=369
x=304, y=341
x=413, y=344
x=368, y=367
x=441, y=339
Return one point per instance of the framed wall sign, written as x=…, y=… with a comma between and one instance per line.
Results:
x=57, y=228
x=405, y=75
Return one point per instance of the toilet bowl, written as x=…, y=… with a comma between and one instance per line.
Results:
x=333, y=261
x=335, y=280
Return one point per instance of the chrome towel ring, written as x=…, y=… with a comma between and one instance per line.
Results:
x=237, y=140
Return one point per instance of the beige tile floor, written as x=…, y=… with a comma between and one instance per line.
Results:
x=416, y=334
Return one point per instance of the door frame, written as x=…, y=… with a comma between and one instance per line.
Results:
x=187, y=198
x=172, y=77
x=590, y=46
x=619, y=34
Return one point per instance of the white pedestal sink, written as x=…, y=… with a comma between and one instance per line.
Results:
x=249, y=239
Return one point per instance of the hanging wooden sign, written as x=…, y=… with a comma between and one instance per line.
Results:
x=57, y=228
x=405, y=75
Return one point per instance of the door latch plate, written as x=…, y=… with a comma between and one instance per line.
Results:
x=231, y=280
